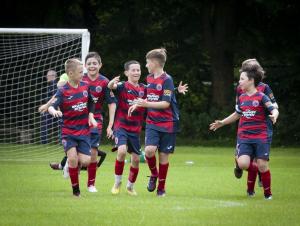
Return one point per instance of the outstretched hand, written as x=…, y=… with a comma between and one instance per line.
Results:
x=183, y=88
x=215, y=125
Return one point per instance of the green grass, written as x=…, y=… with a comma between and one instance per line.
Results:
x=204, y=193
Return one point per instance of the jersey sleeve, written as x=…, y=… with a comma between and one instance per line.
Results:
x=168, y=89
x=267, y=103
x=268, y=91
x=237, y=93
x=238, y=107
x=91, y=102
x=57, y=99
x=109, y=95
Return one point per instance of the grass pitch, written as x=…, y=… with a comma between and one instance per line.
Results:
x=201, y=190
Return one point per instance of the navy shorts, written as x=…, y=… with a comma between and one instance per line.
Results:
x=165, y=142
x=82, y=143
x=95, y=140
x=254, y=150
x=132, y=140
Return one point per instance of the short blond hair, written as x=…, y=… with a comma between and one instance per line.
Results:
x=158, y=54
x=71, y=64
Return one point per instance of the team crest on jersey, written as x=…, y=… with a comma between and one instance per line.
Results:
x=159, y=87
x=98, y=89
x=141, y=93
x=85, y=93
x=255, y=103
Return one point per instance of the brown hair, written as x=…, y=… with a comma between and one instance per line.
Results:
x=128, y=63
x=93, y=55
x=158, y=54
x=252, y=65
x=254, y=74
x=71, y=64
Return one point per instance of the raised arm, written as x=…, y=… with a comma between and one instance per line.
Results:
x=219, y=123
x=113, y=83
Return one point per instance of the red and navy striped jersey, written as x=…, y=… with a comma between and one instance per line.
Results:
x=73, y=102
x=162, y=89
x=126, y=93
x=100, y=92
x=261, y=87
x=254, y=124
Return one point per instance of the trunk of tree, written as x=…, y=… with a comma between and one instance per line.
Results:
x=219, y=30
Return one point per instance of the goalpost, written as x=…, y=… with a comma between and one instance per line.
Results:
x=26, y=56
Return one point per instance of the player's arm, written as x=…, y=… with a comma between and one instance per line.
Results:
x=91, y=109
x=219, y=123
x=113, y=84
x=268, y=91
x=168, y=90
x=111, y=101
x=43, y=108
x=270, y=106
x=57, y=100
x=111, y=113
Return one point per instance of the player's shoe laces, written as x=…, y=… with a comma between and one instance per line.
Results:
x=161, y=193
x=116, y=189
x=92, y=189
x=238, y=173
x=268, y=197
x=76, y=191
x=251, y=194
x=55, y=166
x=131, y=191
x=66, y=174
x=152, y=184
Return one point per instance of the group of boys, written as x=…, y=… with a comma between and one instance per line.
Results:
x=79, y=102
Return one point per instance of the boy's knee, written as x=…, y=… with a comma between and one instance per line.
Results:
x=150, y=151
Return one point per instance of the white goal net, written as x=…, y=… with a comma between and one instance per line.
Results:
x=26, y=57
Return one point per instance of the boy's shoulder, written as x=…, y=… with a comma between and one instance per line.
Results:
x=103, y=78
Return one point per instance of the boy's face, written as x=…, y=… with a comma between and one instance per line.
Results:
x=92, y=66
x=133, y=73
x=76, y=74
x=245, y=82
x=151, y=65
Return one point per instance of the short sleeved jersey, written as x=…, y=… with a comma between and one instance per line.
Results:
x=126, y=93
x=73, y=102
x=254, y=124
x=162, y=89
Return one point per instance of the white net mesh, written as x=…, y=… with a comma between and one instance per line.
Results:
x=25, y=60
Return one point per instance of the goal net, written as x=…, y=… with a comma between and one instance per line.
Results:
x=26, y=57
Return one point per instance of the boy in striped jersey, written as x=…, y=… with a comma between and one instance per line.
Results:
x=76, y=109
x=254, y=131
x=162, y=122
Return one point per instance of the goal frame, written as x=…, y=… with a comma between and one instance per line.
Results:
x=85, y=35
